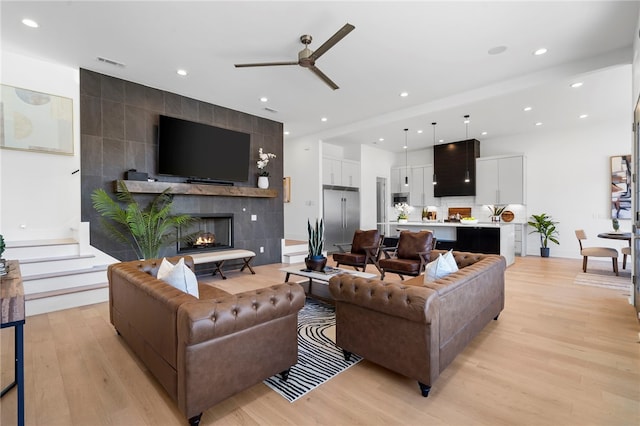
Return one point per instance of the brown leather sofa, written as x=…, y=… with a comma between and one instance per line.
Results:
x=416, y=328
x=204, y=350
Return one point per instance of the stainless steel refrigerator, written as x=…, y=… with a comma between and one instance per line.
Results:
x=341, y=215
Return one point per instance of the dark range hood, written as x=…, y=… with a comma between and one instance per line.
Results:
x=450, y=164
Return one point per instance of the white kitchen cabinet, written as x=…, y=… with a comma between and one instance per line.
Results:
x=340, y=172
x=421, y=188
x=350, y=173
x=398, y=178
x=500, y=180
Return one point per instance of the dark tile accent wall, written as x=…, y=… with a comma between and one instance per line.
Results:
x=118, y=122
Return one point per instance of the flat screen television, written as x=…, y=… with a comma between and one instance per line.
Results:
x=201, y=152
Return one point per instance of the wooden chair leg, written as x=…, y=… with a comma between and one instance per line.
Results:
x=624, y=261
x=615, y=265
x=584, y=263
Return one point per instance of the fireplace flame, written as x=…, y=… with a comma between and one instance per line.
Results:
x=205, y=238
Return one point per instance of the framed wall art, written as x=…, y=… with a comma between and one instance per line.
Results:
x=621, y=187
x=35, y=121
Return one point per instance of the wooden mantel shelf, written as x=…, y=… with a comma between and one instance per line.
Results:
x=136, y=186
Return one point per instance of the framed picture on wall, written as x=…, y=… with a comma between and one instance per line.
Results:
x=35, y=121
x=621, y=186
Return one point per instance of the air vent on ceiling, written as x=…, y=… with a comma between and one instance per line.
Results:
x=111, y=62
x=271, y=110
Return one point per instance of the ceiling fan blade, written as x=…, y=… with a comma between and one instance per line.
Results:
x=324, y=78
x=266, y=64
x=342, y=32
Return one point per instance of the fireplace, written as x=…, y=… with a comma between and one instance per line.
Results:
x=210, y=232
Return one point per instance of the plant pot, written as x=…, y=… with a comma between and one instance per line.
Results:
x=315, y=263
x=544, y=251
x=403, y=220
x=263, y=182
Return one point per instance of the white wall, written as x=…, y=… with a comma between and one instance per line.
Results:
x=374, y=163
x=303, y=163
x=39, y=197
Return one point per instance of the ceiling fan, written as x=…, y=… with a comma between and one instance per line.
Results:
x=307, y=58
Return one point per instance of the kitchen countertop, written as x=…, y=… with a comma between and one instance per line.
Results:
x=449, y=224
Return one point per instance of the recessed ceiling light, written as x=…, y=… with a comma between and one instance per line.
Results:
x=182, y=72
x=497, y=50
x=419, y=131
x=539, y=123
x=30, y=23
x=286, y=133
x=540, y=51
x=583, y=116
x=576, y=84
x=441, y=140
x=264, y=99
x=381, y=139
x=323, y=119
x=404, y=94
x=483, y=133
x=527, y=109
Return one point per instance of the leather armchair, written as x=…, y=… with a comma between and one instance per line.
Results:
x=411, y=254
x=365, y=250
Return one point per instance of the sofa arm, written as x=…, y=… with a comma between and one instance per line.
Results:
x=410, y=302
x=203, y=320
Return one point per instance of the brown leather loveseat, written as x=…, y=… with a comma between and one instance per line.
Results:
x=416, y=328
x=204, y=350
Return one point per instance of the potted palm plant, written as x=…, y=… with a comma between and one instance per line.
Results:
x=546, y=227
x=315, y=260
x=146, y=230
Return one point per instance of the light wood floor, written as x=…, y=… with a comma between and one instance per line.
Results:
x=560, y=354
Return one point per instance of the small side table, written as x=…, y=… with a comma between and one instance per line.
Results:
x=12, y=315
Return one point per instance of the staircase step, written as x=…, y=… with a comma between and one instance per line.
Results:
x=42, y=249
x=55, y=259
x=95, y=268
x=38, y=243
x=66, y=301
x=63, y=291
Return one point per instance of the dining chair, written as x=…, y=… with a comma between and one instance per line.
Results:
x=626, y=251
x=595, y=252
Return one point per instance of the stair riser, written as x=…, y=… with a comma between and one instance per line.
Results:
x=299, y=258
x=41, y=251
x=65, y=282
x=66, y=301
x=294, y=249
x=56, y=266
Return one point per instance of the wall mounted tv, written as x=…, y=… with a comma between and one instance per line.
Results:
x=201, y=152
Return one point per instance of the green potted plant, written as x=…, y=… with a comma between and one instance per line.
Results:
x=146, y=230
x=546, y=227
x=496, y=211
x=315, y=260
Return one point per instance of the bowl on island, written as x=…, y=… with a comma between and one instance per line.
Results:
x=469, y=220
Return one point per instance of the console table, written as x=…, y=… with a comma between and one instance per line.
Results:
x=12, y=315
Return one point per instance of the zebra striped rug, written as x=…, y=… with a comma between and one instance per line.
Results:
x=319, y=359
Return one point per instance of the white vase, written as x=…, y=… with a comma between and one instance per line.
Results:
x=403, y=220
x=263, y=182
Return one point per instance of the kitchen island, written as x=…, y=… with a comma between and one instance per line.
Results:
x=482, y=237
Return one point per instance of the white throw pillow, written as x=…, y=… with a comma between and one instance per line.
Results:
x=179, y=276
x=451, y=261
x=439, y=268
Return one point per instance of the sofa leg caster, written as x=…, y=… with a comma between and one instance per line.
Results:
x=496, y=317
x=195, y=420
x=347, y=355
x=284, y=375
x=424, y=389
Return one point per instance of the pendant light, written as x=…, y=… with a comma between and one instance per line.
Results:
x=406, y=158
x=467, y=178
x=434, y=180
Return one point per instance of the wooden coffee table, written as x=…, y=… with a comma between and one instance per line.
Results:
x=324, y=277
